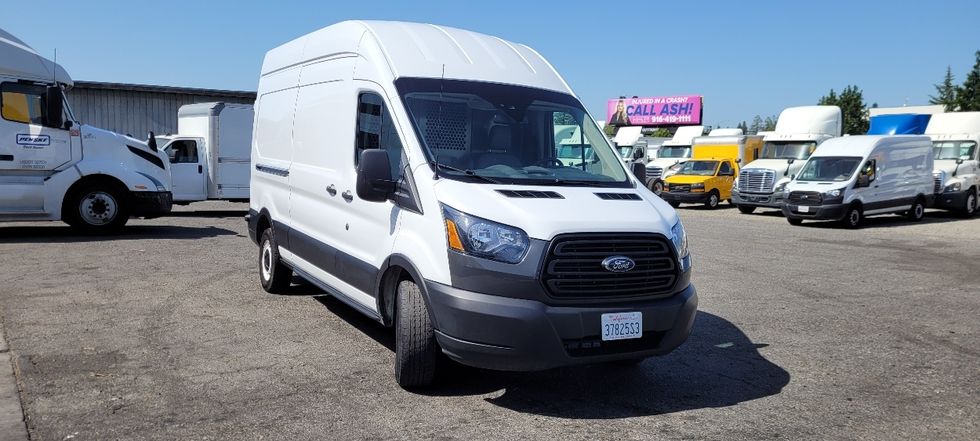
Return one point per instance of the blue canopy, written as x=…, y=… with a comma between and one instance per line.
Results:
x=899, y=124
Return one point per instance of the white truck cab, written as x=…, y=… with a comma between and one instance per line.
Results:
x=671, y=153
x=849, y=178
x=54, y=168
x=210, y=155
x=411, y=171
x=957, y=179
x=799, y=131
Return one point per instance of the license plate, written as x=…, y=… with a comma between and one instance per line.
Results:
x=622, y=326
x=803, y=209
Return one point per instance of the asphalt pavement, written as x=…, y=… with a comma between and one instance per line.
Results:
x=811, y=332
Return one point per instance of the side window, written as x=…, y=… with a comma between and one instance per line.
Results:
x=376, y=130
x=23, y=103
x=183, y=152
x=726, y=169
x=869, y=169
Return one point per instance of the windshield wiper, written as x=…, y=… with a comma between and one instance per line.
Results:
x=465, y=172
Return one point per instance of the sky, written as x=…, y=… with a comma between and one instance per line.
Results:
x=745, y=57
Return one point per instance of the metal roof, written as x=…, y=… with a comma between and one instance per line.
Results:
x=97, y=85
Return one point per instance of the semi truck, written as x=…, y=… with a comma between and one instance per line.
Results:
x=53, y=167
x=956, y=177
x=209, y=155
x=672, y=152
x=799, y=130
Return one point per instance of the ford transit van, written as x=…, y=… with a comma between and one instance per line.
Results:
x=411, y=171
x=849, y=178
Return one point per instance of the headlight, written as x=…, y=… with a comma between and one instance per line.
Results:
x=956, y=186
x=833, y=194
x=697, y=186
x=483, y=238
x=679, y=237
x=780, y=186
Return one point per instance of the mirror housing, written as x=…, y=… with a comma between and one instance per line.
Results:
x=738, y=160
x=959, y=161
x=151, y=141
x=790, y=161
x=638, y=153
x=55, y=111
x=639, y=170
x=374, y=181
x=863, y=181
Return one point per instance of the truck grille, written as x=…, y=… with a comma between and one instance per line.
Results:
x=805, y=198
x=756, y=180
x=573, y=269
x=937, y=184
x=654, y=172
x=679, y=188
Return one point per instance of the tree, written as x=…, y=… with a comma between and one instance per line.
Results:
x=745, y=127
x=968, y=95
x=945, y=92
x=770, y=123
x=851, y=103
x=757, y=125
x=661, y=133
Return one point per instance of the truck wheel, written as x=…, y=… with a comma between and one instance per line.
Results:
x=712, y=201
x=794, y=221
x=96, y=208
x=416, y=350
x=917, y=212
x=273, y=274
x=970, y=206
x=656, y=187
x=745, y=209
x=853, y=217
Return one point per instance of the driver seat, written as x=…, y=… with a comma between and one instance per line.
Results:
x=500, y=139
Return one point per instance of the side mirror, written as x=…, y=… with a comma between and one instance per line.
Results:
x=55, y=111
x=790, y=161
x=959, y=161
x=639, y=170
x=738, y=160
x=863, y=181
x=638, y=153
x=374, y=182
x=792, y=177
x=151, y=141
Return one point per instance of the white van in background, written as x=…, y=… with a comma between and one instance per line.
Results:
x=954, y=140
x=54, y=168
x=411, y=171
x=849, y=178
x=209, y=155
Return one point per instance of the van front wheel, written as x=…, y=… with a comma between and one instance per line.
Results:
x=853, y=217
x=712, y=201
x=416, y=350
x=273, y=274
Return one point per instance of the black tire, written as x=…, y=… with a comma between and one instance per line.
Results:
x=713, y=200
x=970, y=205
x=416, y=350
x=97, y=207
x=674, y=204
x=274, y=275
x=853, y=218
x=656, y=186
x=794, y=221
x=918, y=211
x=745, y=209
x=729, y=202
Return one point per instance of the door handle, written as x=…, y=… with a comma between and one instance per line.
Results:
x=348, y=196
x=6, y=157
x=332, y=189
x=200, y=169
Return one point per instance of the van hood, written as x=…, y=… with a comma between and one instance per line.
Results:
x=579, y=211
x=686, y=179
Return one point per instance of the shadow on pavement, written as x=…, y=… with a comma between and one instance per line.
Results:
x=893, y=221
x=65, y=234
x=209, y=213
x=718, y=366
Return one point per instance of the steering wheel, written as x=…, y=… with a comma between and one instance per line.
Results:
x=550, y=161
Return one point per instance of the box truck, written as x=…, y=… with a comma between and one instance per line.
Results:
x=707, y=178
x=954, y=141
x=53, y=167
x=425, y=191
x=847, y=179
x=672, y=152
x=209, y=155
x=799, y=130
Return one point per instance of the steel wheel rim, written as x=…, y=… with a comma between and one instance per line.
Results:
x=98, y=208
x=920, y=211
x=855, y=217
x=658, y=188
x=265, y=261
x=971, y=203
x=713, y=200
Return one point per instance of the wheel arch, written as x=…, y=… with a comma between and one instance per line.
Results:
x=94, y=179
x=395, y=269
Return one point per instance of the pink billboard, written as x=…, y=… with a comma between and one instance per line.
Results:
x=654, y=111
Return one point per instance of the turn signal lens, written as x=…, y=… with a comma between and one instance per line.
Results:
x=453, y=236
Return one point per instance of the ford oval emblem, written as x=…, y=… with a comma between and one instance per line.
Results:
x=618, y=264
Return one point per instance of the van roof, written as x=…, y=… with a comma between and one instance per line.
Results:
x=18, y=60
x=424, y=51
x=863, y=145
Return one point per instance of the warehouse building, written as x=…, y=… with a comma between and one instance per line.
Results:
x=136, y=109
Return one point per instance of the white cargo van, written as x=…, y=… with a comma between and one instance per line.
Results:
x=54, y=168
x=957, y=179
x=852, y=177
x=799, y=130
x=671, y=153
x=209, y=156
x=411, y=171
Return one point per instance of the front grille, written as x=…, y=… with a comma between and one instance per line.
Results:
x=654, y=172
x=573, y=269
x=805, y=198
x=756, y=180
x=937, y=185
x=679, y=188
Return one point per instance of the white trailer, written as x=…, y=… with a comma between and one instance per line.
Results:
x=210, y=155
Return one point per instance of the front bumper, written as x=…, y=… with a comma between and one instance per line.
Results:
x=151, y=204
x=951, y=200
x=685, y=197
x=770, y=200
x=817, y=212
x=512, y=334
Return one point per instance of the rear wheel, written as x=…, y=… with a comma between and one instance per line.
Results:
x=416, y=350
x=712, y=201
x=794, y=221
x=918, y=211
x=853, y=218
x=745, y=209
x=273, y=274
x=97, y=208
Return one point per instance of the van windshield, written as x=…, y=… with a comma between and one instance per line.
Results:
x=954, y=149
x=674, y=151
x=509, y=134
x=829, y=168
x=787, y=150
x=698, y=168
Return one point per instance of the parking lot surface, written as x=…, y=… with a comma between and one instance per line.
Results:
x=809, y=332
